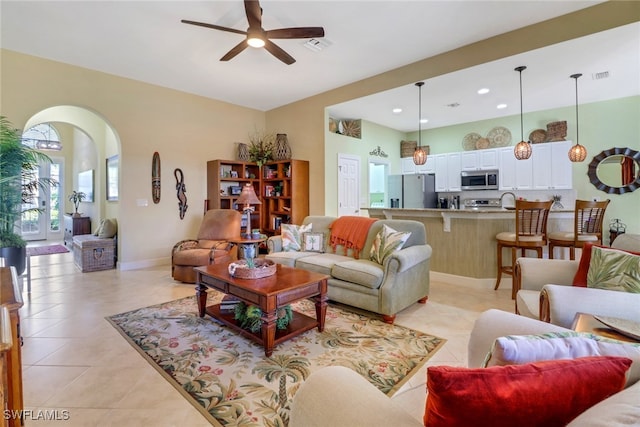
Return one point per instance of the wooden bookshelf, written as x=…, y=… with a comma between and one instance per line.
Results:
x=282, y=186
x=225, y=179
x=285, y=194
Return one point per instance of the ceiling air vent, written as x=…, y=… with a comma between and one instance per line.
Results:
x=316, y=45
x=601, y=75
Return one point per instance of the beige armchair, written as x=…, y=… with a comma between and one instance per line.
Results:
x=211, y=245
x=544, y=290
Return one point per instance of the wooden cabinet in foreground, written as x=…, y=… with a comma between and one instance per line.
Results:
x=11, y=301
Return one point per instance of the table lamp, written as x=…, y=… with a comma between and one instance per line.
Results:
x=247, y=198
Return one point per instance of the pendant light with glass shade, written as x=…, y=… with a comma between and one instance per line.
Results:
x=522, y=150
x=419, y=155
x=578, y=152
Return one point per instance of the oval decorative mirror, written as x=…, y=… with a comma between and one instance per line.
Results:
x=616, y=170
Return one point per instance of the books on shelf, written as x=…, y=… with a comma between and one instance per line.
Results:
x=229, y=303
x=276, y=223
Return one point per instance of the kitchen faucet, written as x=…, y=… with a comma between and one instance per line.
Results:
x=504, y=194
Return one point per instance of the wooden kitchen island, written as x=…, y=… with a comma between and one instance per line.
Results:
x=463, y=240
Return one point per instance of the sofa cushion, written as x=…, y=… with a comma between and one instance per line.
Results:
x=287, y=258
x=621, y=409
x=292, y=236
x=535, y=394
x=521, y=349
x=362, y=272
x=386, y=242
x=321, y=263
x=614, y=270
x=580, y=279
x=528, y=303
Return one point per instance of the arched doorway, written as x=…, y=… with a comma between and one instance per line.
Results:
x=88, y=140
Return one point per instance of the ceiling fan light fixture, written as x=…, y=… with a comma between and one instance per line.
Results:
x=419, y=155
x=522, y=150
x=577, y=153
x=255, y=38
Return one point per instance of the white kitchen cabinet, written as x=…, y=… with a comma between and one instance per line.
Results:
x=514, y=174
x=479, y=159
x=447, y=169
x=552, y=169
x=407, y=166
x=441, y=172
x=428, y=167
x=453, y=172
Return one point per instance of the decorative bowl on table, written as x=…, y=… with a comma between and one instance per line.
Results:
x=252, y=269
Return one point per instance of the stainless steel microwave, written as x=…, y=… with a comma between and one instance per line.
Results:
x=479, y=180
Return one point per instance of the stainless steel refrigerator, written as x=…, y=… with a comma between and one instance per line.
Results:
x=412, y=191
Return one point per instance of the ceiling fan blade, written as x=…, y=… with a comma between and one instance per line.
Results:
x=254, y=13
x=215, y=27
x=295, y=33
x=278, y=52
x=236, y=50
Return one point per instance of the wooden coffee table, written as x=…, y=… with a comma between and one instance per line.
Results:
x=270, y=293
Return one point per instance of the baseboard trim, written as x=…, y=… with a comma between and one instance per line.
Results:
x=470, y=282
x=146, y=263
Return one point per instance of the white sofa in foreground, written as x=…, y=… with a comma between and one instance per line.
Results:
x=337, y=396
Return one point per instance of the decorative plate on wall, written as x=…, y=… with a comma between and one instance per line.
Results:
x=499, y=137
x=469, y=141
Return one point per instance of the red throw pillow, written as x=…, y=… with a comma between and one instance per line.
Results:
x=550, y=393
x=580, y=279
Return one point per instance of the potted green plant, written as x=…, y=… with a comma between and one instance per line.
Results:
x=76, y=198
x=261, y=147
x=20, y=183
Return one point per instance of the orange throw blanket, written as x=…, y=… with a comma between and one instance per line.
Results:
x=350, y=232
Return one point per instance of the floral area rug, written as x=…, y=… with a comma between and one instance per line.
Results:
x=230, y=380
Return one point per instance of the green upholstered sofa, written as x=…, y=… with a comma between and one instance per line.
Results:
x=359, y=282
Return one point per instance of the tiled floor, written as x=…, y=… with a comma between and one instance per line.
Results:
x=74, y=360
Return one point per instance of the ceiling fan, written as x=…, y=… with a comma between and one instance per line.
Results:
x=258, y=37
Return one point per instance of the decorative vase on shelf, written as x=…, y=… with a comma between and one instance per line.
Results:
x=243, y=152
x=282, y=149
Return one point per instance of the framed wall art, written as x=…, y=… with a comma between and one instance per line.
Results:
x=112, y=171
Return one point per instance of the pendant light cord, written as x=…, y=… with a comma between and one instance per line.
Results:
x=520, y=70
x=420, y=84
x=575, y=76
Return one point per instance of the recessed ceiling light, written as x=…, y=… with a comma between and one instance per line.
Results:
x=483, y=91
x=424, y=120
x=397, y=110
x=501, y=106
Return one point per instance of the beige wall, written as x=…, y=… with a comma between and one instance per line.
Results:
x=187, y=130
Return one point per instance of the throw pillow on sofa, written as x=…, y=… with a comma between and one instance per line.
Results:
x=521, y=349
x=386, y=242
x=292, y=236
x=614, y=270
x=580, y=279
x=546, y=394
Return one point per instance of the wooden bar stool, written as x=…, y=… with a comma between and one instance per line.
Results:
x=587, y=227
x=531, y=233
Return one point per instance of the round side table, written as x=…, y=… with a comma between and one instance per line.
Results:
x=247, y=248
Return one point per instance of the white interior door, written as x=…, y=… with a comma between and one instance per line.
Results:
x=348, y=185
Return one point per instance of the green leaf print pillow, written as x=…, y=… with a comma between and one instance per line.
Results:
x=614, y=270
